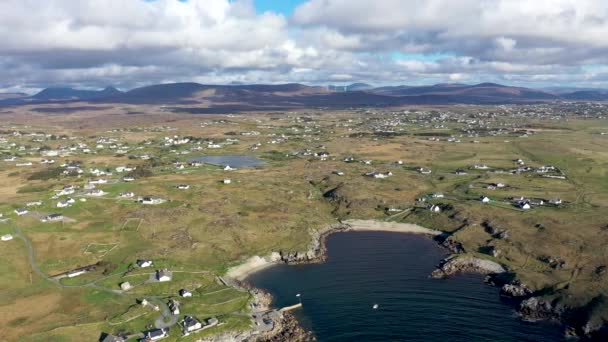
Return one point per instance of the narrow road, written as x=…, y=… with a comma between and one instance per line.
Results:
x=165, y=320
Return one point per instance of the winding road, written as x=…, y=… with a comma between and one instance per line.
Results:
x=165, y=320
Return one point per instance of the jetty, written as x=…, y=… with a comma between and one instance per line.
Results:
x=291, y=307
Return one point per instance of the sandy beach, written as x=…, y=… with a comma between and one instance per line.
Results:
x=257, y=263
x=252, y=265
x=372, y=225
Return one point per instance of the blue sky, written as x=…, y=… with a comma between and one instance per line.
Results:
x=285, y=7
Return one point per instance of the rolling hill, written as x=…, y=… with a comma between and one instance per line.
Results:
x=240, y=97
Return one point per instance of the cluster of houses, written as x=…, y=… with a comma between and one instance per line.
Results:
x=151, y=200
x=527, y=203
x=380, y=175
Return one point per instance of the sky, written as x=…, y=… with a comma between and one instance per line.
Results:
x=92, y=44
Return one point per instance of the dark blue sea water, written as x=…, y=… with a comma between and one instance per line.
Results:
x=391, y=270
x=235, y=161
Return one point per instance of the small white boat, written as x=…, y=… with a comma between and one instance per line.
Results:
x=375, y=306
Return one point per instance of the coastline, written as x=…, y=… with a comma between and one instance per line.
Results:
x=317, y=251
x=287, y=324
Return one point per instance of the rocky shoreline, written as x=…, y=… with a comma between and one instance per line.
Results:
x=528, y=306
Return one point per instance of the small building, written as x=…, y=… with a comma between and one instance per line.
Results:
x=54, y=217
x=96, y=193
x=128, y=179
x=191, y=324
x=481, y=166
x=126, y=286
x=127, y=194
x=155, y=335
x=173, y=306
x=6, y=237
x=143, y=263
x=555, y=201
x=227, y=181
x=112, y=338
x=379, y=175
x=21, y=211
x=151, y=200
x=228, y=168
x=484, y=199
x=185, y=293
x=164, y=275
x=525, y=205
x=77, y=272
x=183, y=186
x=63, y=204
x=437, y=195
x=435, y=208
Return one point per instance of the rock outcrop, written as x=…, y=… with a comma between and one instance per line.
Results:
x=455, y=265
x=289, y=330
x=316, y=251
x=535, y=309
x=515, y=291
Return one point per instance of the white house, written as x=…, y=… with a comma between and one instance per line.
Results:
x=191, y=324
x=76, y=273
x=164, y=275
x=21, y=211
x=481, y=166
x=174, y=307
x=150, y=200
x=63, y=204
x=67, y=190
x=183, y=186
x=185, y=293
x=155, y=335
x=54, y=217
x=435, y=208
x=227, y=181
x=96, y=193
x=6, y=237
x=555, y=201
x=525, y=205
x=379, y=174
x=485, y=199
x=143, y=263
x=127, y=194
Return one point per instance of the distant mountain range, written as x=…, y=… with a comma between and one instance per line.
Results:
x=240, y=97
x=62, y=94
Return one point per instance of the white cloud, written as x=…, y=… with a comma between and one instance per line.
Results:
x=130, y=43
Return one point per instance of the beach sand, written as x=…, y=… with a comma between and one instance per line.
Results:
x=371, y=225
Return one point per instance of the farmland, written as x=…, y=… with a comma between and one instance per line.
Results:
x=556, y=248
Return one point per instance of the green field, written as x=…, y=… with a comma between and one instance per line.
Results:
x=198, y=233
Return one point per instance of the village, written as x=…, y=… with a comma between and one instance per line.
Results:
x=138, y=224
